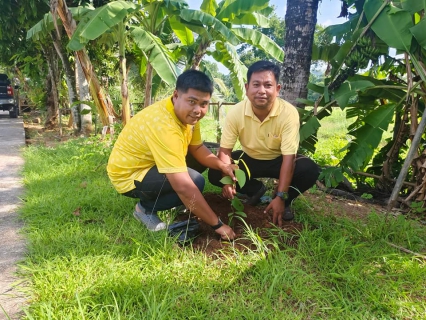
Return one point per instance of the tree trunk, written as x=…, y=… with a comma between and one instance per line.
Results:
x=148, y=85
x=102, y=101
x=69, y=76
x=198, y=56
x=52, y=104
x=125, y=103
x=300, y=22
x=85, y=116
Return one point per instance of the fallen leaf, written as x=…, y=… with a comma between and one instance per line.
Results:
x=77, y=212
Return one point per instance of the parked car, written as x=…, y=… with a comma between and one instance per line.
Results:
x=8, y=101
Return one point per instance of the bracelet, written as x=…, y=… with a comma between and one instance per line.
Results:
x=218, y=225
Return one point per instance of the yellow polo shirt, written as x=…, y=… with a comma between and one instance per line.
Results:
x=154, y=136
x=277, y=135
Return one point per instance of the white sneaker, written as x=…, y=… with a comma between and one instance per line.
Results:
x=150, y=220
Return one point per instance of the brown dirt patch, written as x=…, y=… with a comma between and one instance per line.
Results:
x=36, y=134
x=316, y=203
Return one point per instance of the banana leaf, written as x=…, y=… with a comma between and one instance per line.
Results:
x=392, y=25
x=260, y=41
x=228, y=56
x=158, y=54
x=207, y=20
x=100, y=21
x=232, y=9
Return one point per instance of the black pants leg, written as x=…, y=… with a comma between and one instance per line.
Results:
x=305, y=174
x=156, y=193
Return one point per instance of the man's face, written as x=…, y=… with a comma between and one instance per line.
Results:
x=262, y=89
x=190, y=107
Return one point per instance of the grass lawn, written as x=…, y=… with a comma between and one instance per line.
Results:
x=88, y=258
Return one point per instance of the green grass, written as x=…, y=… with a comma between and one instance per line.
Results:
x=332, y=138
x=89, y=259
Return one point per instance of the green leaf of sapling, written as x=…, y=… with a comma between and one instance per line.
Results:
x=241, y=214
x=227, y=180
x=236, y=203
x=241, y=177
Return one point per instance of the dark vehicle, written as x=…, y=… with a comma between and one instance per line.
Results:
x=8, y=101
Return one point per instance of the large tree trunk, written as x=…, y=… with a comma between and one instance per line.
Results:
x=300, y=22
x=102, y=101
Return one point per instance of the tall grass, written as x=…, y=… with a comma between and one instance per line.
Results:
x=89, y=259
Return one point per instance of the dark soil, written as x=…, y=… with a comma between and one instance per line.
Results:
x=209, y=241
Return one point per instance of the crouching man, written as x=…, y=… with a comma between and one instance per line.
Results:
x=148, y=158
x=268, y=129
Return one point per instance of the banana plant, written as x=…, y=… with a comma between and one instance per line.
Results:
x=60, y=8
x=375, y=87
x=143, y=23
x=221, y=27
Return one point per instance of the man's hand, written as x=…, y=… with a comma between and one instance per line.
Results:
x=228, y=191
x=277, y=206
x=228, y=170
x=226, y=233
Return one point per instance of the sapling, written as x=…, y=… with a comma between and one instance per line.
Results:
x=236, y=204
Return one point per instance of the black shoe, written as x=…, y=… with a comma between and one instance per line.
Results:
x=185, y=231
x=288, y=214
x=255, y=199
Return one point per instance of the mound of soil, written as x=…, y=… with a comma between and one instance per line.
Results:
x=209, y=241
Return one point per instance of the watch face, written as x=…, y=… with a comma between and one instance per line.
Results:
x=282, y=195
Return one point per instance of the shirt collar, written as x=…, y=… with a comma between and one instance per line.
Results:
x=273, y=113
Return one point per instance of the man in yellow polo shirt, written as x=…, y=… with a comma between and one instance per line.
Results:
x=148, y=158
x=268, y=130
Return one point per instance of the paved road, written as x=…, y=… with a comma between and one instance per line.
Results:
x=12, y=245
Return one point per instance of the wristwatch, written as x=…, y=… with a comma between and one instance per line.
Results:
x=218, y=225
x=283, y=195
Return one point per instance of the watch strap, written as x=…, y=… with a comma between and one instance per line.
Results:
x=283, y=195
x=218, y=225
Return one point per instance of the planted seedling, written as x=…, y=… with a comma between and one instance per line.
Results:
x=236, y=204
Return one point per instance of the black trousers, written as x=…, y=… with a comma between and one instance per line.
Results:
x=305, y=174
x=156, y=193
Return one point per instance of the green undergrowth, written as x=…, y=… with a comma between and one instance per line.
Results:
x=88, y=258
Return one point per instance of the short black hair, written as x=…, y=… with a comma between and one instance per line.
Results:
x=194, y=79
x=264, y=65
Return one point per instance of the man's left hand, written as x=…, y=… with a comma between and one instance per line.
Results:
x=228, y=170
x=277, y=206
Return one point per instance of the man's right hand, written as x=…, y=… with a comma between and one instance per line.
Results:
x=226, y=233
x=228, y=191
